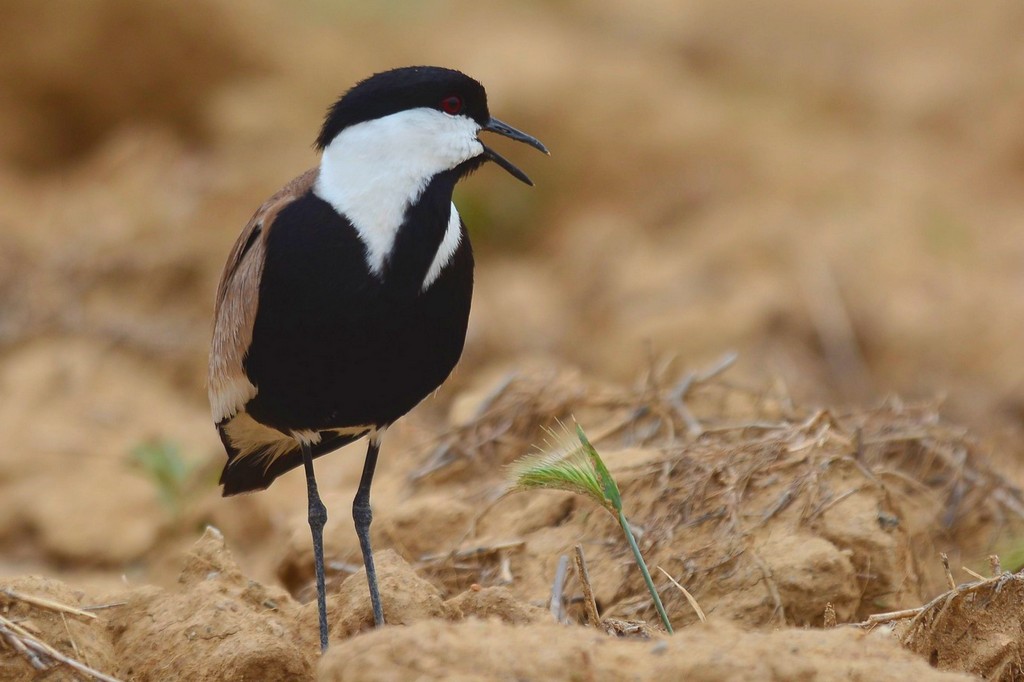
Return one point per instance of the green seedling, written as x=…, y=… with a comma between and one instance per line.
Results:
x=170, y=472
x=577, y=468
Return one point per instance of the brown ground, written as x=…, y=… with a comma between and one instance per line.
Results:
x=832, y=191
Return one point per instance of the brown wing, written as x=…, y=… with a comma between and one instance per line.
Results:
x=237, y=300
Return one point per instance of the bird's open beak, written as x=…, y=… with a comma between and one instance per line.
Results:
x=496, y=126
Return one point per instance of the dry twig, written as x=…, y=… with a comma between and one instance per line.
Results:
x=949, y=574
x=829, y=620
x=35, y=649
x=902, y=614
x=773, y=589
x=677, y=398
x=557, y=605
x=689, y=597
x=505, y=568
x=835, y=328
x=45, y=603
x=973, y=574
x=589, y=604
x=475, y=551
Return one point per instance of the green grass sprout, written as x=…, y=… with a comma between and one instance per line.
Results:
x=572, y=464
x=171, y=473
x=566, y=466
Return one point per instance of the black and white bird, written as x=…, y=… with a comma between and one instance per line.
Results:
x=345, y=299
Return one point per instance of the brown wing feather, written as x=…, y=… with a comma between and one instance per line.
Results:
x=237, y=300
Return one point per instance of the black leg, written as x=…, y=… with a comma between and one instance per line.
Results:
x=317, y=519
x=362, y=516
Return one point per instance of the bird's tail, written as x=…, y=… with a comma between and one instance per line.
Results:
x=257, y=470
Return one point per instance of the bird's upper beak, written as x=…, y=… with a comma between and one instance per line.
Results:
x=496, y=126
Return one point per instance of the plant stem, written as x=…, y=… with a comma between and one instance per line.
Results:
x=643, y=569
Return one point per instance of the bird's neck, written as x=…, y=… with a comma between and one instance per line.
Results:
x=410, y=231
x=428, y=238
x=373, y=199
x=377, y=172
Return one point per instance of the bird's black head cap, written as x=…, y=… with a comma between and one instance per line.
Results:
x=410, y=87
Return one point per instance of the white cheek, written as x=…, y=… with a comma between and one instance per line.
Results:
x=371, y=172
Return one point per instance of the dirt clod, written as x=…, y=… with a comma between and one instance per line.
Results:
x=494, y=602
x=405, y=597
x=218, y=626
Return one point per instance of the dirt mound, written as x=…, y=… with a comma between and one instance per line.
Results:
x=478, y=650
x=44, y=609
x=220, y=625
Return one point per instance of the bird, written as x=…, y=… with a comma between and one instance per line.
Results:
x=345, y=299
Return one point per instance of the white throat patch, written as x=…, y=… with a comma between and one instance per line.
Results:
x=372, y=171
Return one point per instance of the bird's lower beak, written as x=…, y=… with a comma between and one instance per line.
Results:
x=496, y=126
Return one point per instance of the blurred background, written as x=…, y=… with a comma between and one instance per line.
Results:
x=834, y=191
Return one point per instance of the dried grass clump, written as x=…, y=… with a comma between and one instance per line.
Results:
x=511, y=416
x=40, y=634
x=763, y=510
x=973, y=627
x=887, y=487
x=503, y=422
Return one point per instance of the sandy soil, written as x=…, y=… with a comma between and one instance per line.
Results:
x=833, y=193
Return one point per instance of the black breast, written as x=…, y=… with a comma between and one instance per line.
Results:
x=335, y=346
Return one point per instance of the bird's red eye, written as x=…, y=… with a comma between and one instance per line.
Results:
x=451, y=105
